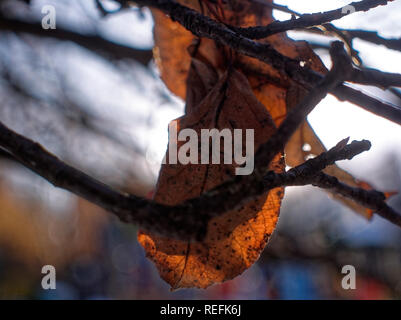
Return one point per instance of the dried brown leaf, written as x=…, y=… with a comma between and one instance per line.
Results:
x=235, y=240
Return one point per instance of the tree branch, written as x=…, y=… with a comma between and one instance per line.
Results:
x=380, y=108
x=371, y=199
x=341, y=69
x=351, y=34
x=373, y=37
x=302, y=174
x=186, y=220
x=310, y=172
x=306, y=20
x=368, y=76
x=203, y=26
x=189, y=219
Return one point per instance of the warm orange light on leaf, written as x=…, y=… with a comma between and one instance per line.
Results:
x=235, y=240
x=390, y=194
x=224, y=89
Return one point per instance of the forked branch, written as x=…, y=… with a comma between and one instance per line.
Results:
x=203, y=26
x=190, y=219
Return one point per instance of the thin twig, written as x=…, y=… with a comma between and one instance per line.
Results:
x=303, y=173
x=371, y=199
x=307, y=20
x=368, y=76
x=203, y=26
x=310, y=172
x=373, y=37
x=350, y=34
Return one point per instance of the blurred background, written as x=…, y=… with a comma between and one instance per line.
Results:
x=90, y=93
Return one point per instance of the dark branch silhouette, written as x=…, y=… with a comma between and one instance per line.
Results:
x=306, y=20
x=203, y=26
x=189, y=220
